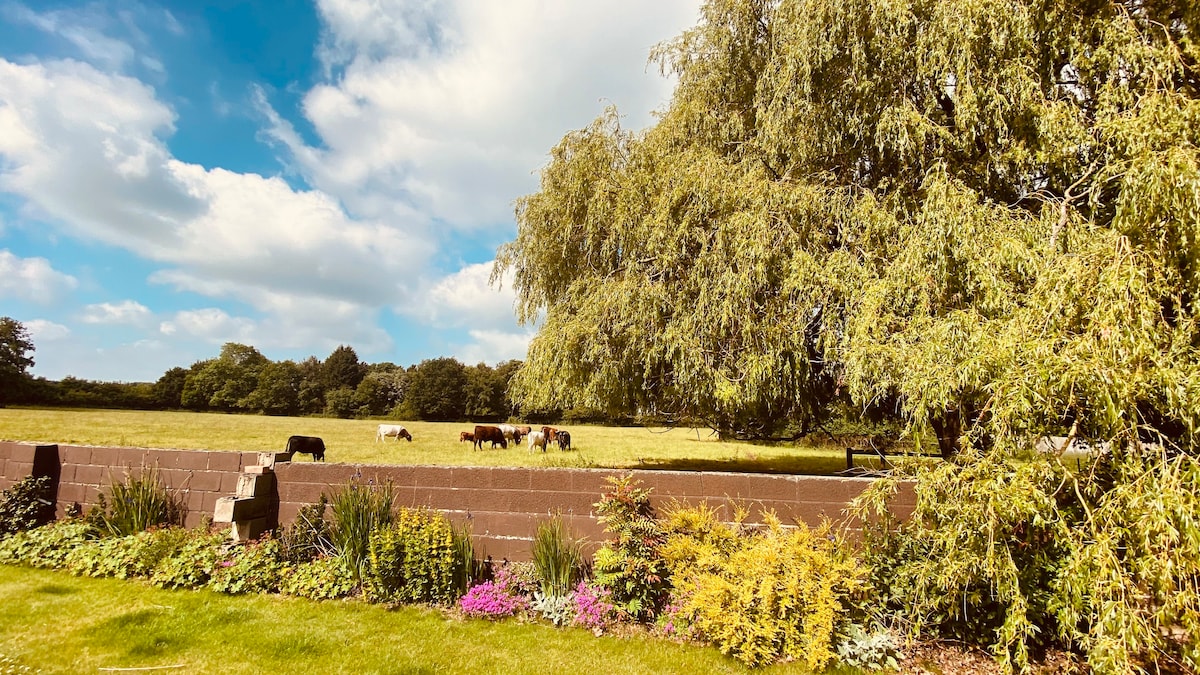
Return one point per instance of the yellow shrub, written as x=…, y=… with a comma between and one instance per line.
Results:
x=760, y=595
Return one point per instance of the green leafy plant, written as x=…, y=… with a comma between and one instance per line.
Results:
x=138, y=503
x=325, y=578
x=192, y=565
x=558, y=609
x=47, y=546
x=1017, y=556
x=873, y=650
x=557, y=556
x=25, y=505
x=630, y=564
x=254, y=567
x=357, y=511
x=415, y=559
x=134, y=555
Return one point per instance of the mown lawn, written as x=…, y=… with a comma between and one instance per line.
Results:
x=63, y=624
x=353, y=441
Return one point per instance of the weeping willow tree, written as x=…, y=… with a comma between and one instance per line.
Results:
x=983, y=212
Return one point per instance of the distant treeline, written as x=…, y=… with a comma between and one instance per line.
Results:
x=242, y=380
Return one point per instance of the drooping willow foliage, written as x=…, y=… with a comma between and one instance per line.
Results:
x=983, y=213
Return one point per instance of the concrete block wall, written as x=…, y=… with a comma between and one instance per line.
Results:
x=200, y=477
x=502, y=505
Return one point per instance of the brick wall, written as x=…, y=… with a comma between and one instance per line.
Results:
x=502, y=505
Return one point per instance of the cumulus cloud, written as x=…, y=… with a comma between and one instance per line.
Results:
x=435, y=115
x=42, y=330
x=85, y=148
x=450, y=107
x=493, y=346
x=465, y=298
x=124, y=312
x=31, y=279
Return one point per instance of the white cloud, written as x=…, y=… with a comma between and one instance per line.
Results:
x=450, y=107
x=81, y=27
x=465, y=298
x=31, y=279
x=127, y=312
x=84, y=148
x=210, y=324
x=41, y=330
x=491, y=346
x=436, y=115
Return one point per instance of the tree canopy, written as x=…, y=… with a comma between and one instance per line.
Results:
x=16, y=349
x=983, y=213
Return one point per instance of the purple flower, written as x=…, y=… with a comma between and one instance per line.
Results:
x=492, y=599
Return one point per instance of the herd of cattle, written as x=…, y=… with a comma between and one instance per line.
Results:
x=503, y=433
x=496, y=435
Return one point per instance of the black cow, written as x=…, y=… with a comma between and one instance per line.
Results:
x=493, y=434
x=564, y=439
x=308, y=445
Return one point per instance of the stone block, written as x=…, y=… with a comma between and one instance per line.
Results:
x=234, y=509
x=245, y=530
x=250, y=485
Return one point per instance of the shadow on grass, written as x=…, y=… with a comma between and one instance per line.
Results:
x=802, y=466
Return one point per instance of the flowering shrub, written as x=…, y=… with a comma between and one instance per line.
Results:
x=592, y=608
x=493, y=599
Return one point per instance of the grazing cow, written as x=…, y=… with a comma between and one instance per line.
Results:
x=564, y=439
x=537, y=440
x=308, y=445
x=485, y=434
x=549, y=433
x=524, y=430
x=466, y=436
x=512, y=433
x=396, y=430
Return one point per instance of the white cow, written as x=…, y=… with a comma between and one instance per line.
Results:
x=537, y=439
x=396, y=430
x=510, y=432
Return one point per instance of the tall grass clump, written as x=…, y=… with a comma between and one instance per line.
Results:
x=137, y=504
x=468, y=568
x=356, y=512
x=557, y=556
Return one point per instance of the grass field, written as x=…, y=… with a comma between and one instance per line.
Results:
x=353, y=441
x=58, y=623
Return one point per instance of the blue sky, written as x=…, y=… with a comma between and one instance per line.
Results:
x=294, y=175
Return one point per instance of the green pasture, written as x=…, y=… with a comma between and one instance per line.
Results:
x=58, y=623
x=353, y=441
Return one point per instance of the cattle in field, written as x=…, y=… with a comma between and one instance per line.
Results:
x=537, y=440
x=524, y=430
x=466, y=436
x=396, y=430
x=549, y=433
x=307, y=445
x=489, y=434
x=564, y=439
x=511, y=433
